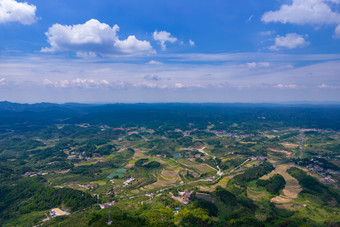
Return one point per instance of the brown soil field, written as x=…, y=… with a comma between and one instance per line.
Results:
x=128, y=166
x=63, y=171
x=169, y=173
x=287, y=153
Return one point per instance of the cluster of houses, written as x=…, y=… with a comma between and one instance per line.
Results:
x=128, y=181
x=322, y=171
x=31, y=174
x=193, y=158
x=258, y=158
x=217, y=132
x=211, y=178
x=316, y=166
x=183, y=197
x=330, y=157
x=149, y=194
x=77, y=155
x=87, y=186
x=107, y=205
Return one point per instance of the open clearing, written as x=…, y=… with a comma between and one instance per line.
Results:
x=168, y=177
x=223, y=182
x=287, y=153
x=138, y=154
x=290, y=145
x=291, y=190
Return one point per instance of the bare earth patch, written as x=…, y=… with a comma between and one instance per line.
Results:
x=138, y=152
x=63, y=171
x=287, y=153
x=128, y=166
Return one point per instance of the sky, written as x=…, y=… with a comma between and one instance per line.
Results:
x=114, y=51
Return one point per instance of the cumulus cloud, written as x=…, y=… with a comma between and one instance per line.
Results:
x=290, y=41
x=93, y=38
x=301, y=12
x=192, y=43
x=162, y=37
x=13, y=11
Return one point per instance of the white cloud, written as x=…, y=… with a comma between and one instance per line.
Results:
x=192, y=43
x=337, y=32
x=316, y=12
x=290, y=41
x=153, y=62
x=63, y=84
x=286, y=86
x=132, y=45
x=179, y=85
x=47, y=82
x=323, y=86
x=2, y=81
x=93, y=38
x=258, y=64
x=78, y=82
x=164, y=37
x=13, y=11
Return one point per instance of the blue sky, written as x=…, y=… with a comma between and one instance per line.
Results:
x=169, y=51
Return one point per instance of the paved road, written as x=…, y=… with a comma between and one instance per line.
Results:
x=301, y=154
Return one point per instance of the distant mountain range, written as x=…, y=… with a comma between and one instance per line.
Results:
x=296, y=115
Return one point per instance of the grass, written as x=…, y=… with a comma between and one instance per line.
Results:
x=28, y=220
x=318, y=214
x=258, y=193
x=100, y=182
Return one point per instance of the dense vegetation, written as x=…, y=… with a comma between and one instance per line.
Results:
x=273, y=184
x=35, y=195
x=251, y=174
